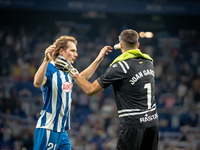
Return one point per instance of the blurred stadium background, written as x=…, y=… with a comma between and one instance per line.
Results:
x=28, y=27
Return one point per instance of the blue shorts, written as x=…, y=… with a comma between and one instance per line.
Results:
x=51, y=140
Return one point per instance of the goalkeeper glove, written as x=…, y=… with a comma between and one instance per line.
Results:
x=64, y=65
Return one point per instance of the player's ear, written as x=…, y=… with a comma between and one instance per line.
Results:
x=138, y=44
x=61, y=51
x=121, y=45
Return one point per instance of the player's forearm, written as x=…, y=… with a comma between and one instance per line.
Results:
x=89, y=88
x=40, y=74
x=89, y=71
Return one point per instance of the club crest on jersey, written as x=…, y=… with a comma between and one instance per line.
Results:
x=66, y=87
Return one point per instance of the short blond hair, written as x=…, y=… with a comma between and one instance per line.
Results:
x=62, y=42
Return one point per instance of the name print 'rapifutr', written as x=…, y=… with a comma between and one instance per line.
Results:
x=141, y=74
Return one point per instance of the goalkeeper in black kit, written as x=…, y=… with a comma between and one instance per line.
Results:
x=132, y=76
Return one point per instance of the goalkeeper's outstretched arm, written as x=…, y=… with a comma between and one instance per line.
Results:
x=89, y=88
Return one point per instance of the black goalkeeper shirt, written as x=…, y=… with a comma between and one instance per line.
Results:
x=134, y=88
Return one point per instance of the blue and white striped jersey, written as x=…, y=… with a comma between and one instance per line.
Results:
x=57, y=96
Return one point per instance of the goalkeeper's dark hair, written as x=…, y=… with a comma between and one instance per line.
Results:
x=129, y=39
x=62, y=42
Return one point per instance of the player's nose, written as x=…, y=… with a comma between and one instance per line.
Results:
x=76, y=54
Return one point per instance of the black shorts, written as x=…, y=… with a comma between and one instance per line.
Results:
x=138, y=139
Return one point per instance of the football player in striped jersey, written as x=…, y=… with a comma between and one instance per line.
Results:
x=56, y=86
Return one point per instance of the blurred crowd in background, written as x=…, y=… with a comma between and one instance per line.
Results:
x=94, y=120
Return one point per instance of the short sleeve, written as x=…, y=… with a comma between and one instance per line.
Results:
x=48, y=75
x=112, y=75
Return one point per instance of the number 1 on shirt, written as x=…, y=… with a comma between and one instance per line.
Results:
x=148, y=87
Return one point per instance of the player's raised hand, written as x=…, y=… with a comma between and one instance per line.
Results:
x=49, y=52
x=104, y=51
